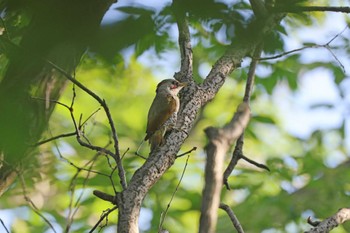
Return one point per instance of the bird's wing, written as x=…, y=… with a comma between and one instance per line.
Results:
x=161, y=110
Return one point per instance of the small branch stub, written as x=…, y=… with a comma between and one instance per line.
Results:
x=330, y=223
x=106, y=197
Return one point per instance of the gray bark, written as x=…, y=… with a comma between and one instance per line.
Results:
x=332, y=222
x=192, y=98
x=220, y=140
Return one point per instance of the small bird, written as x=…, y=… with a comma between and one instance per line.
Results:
x=162, y=115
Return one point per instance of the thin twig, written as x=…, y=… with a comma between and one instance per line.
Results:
x=64, y=135
x=263, y=166
x=337, y=35
x=103, y=216
x=127, y=150
x=326, y=46
x=72, y=185
x=90, y=163
x=88, y=118
x=335, y=57
x=163, y=214
x=102, y=102
x=52, y=101
x=75, y=166
x=236, y=155
x=77, y=202
x=251, y=74
x=3, y=224
x=82, y=143
x=112, y=181
x=187, y=152
x=233, y=217
x=31, y=203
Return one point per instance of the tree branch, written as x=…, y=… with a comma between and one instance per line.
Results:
x=164, y=213
x=105, y=196
x=238, y=151
x=187, y=152
x=103, y=216
x=3, y=224
x=233, y=217
x=298, y=9
x=186, y=68
x=102, y=102
x=326, y=46
x=193, y=97
x=55, y=137
x=31, y=204
x=220, y=141
x=330, y=223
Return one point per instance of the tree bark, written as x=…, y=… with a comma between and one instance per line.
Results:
x=220, y=140
x=192, y=98
x=330, y=223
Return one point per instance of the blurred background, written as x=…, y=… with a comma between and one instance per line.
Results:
x=299, y=127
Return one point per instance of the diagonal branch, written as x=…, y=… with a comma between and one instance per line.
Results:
x=233, y=217
x=31, y=204
x=4, y=226
x=103, y=216
x=330, y=223
x=164, y=213
x=192, y=99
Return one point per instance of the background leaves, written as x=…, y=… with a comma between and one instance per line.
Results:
x=121, y=66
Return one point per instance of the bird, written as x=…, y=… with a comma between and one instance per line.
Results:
x=162, y=114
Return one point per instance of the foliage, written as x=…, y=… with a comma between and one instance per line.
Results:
x=304, y=179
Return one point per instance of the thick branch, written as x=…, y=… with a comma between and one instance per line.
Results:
x=192, y=99
x=332, y=222
x=220, y=141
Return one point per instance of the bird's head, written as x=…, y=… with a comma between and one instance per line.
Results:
x=171, y=86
